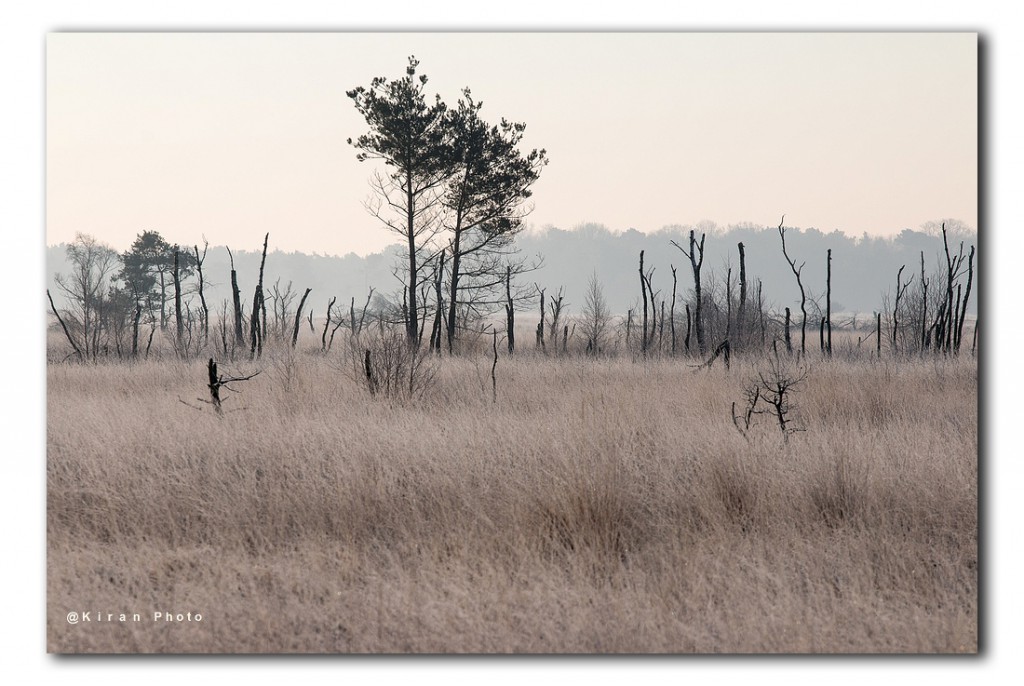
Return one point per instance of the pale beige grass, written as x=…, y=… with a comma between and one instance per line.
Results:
x=598, y=506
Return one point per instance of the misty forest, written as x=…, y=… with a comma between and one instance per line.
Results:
x=495, y=439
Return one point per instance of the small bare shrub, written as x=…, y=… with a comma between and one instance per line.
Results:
x=769, y=392
x=389, y=367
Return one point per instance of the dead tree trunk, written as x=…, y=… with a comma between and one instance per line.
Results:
x=878, y=334
x=298, y=317
x=661, y=327
x=214, y=386
x=789, y=338
x=135, y=321
x=672, y=310
x=741, y=321
x=953, y=265
x=371, y=382
x=179, y=322
x=510, y=312
x=967, y=296
x=236, y=302
x=202, y=297
x=828, y=301
x=654, y=309
x=64, y=326
x=643, y=293
x=900, y=290
x=256, y=332
x=494, y=367
x=556, y=315
x=686, y=341
x=540, y=324
x=435, y=332
x=800, y=284
x=760, y=314
x=216, y=382
x=924, y=307
x=696, y=255
x=728, y=304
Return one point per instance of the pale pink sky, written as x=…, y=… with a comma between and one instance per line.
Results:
x=233, y=135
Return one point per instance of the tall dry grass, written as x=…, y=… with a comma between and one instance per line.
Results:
x=597, y=506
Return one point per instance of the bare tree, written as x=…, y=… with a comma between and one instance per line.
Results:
x=800, y=284
x=93, y=265
x=595, y=317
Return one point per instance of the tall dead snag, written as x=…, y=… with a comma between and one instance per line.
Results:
x=967, y=296
x=494, y=368
x=643, y=292
x=878, y=334
x=510, y=312
x=741, y=320
x=828, y=301
x=789, y=338
x=924, y=307
x=556, y=315
x=760, y=313
x=236, y=300
x=799, y=282
x=356, y=325
x=327, y=324
x=696, y=255
x=202, y=297
x=540, y=324
x=298, y=317
x=901, y=288
x=686, y=341
x=949, y=324
x=661, y=326
x=435, y=331
x=64, y=326
x=135, y=321
x=728, y=304
x=821, y=335
x=672, y=309
x=654, y=310
x=179, y=322
x=256, y=332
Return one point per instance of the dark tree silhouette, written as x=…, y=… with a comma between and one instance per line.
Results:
x=487, y=185
x=409, y=135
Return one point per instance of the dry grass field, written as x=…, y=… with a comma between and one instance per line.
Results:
x=597, y=506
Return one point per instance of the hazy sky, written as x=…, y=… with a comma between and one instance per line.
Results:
x=233, y=135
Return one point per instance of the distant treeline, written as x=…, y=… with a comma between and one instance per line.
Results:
x=863, y=268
